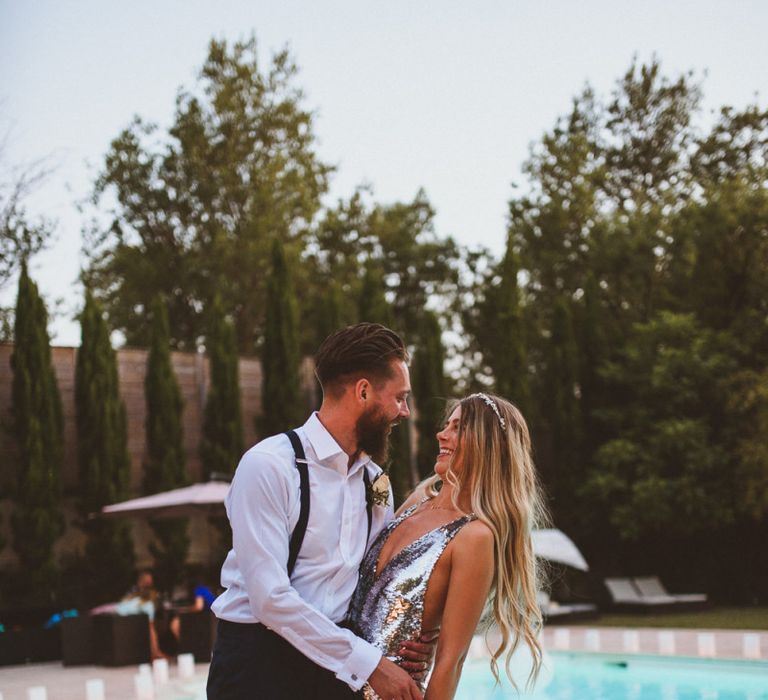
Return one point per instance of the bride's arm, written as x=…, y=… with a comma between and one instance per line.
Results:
x=472, y=567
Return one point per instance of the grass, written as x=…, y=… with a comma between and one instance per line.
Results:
x=714, y=618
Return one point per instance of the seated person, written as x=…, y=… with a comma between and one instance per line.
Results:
x=143, y=598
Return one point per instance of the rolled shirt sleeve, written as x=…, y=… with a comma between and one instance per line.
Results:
x=258, y=506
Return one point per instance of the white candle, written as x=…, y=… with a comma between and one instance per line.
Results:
x=160, y=670
x=145, y=690
x=186, y=664
x=94, y=689
x=751, y=646
x=562, y=638
x=37, y=692
x=145, y=669
x=631, y=639
x=706, y=644
x=667, y=643
x=592, y=640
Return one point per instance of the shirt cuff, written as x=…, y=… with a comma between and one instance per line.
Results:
x=360, y=664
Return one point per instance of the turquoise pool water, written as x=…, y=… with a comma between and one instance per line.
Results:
x=606, y=677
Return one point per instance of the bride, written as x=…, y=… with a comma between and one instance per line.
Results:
x=453, y=549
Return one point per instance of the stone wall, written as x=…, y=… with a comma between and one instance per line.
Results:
x=191, y=371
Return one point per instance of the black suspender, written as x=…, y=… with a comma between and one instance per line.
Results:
x=297, y=536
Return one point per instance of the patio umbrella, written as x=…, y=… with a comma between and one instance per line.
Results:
x=556, y=546
x=189, y=500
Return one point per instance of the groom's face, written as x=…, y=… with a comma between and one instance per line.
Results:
x=387, y=405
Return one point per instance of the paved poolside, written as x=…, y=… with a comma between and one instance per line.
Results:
x=68, y=683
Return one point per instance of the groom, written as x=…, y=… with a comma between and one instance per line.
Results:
x=303, y=510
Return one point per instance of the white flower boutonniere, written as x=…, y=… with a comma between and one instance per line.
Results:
x=378, y=491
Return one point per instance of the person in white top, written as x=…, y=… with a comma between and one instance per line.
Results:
x=303, y=511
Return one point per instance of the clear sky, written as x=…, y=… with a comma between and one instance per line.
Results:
x=444, y=95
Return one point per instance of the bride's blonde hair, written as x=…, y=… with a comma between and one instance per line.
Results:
x=493, y=464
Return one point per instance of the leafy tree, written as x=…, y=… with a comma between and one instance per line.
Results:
x=37, y=521
x=102, y=454
x=430, y=389
x=236, y=168
x=282, y=403
x=21, y=236
x=164, y=467
x=222, y=443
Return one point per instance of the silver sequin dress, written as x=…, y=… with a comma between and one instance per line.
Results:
x=387, y=606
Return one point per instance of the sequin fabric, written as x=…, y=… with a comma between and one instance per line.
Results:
x=387, y=606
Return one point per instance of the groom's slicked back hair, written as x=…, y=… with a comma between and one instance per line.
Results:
x=365, y=350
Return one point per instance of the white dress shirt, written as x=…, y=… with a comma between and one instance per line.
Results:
x=263, y=509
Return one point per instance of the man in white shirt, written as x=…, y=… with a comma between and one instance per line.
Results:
x=279, y=635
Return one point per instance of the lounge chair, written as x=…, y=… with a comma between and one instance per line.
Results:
x=651, y=586
x=625, y=595
x=552, y=611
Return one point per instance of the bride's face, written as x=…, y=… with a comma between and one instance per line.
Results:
x=448, y=440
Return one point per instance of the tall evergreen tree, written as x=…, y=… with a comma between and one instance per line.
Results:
x=102, y=452
x=501, y=332
x=282, y=402
x=561, y=412
x=430, y=388
x=38, y=428
x=222, y=442
x=164, y=467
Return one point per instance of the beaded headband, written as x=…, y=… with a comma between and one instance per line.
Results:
x=488, y=400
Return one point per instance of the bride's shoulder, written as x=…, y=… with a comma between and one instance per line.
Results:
x=475, y=535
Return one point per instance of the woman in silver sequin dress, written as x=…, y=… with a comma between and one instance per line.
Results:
x=449, y=552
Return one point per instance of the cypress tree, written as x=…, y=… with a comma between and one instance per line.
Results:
x=282, y=403
x=102, y=450
x=222, y=443
x=561, y=410
x=503, y=335
x=430, y=389
x=38, y=428
x=164, y=467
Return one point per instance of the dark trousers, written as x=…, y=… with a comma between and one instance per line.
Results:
x=250, y=662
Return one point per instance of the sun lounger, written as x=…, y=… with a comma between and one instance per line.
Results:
x=552, y=611
x=650, y=586
x=625, y=595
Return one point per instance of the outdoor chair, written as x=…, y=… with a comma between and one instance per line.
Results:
x=651, y=586
x=625, y=596
x=197, y=633
x=77, y=641
x=121, y=640
x=554, y=612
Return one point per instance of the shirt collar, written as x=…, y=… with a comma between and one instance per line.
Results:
x=326, y=448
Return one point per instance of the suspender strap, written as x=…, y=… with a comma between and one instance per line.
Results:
x=297, y=537
x=368, y=502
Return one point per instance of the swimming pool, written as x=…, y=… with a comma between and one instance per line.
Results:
x=571, y=676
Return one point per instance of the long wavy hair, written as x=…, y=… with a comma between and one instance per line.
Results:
x=493, y=464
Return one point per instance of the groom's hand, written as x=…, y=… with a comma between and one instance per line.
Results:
x=418, y=654
x=391, y=681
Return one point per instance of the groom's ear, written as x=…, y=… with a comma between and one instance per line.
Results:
x=362, y=389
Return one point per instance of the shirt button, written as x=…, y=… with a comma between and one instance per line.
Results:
x=354, y=677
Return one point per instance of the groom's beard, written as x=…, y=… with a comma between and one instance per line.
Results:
x=373, y=429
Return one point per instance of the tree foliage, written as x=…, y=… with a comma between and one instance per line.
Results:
x=102, y=452
x=283, y=405
x=37, y=521
x=222, y=443
x=236, y=169
x=165, y=466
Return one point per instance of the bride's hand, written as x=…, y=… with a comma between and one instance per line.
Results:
x=418, y=654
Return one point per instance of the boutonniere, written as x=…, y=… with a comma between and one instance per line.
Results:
x=378, y=491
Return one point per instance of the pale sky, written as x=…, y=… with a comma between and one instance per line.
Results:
x=441, y=95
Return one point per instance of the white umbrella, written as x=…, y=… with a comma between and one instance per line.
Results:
x=190, y=500
x=555, y=545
